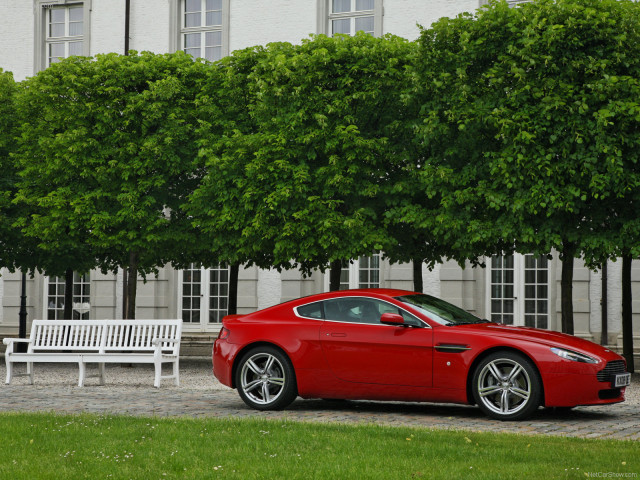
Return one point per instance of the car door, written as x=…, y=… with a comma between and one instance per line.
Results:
x=358, y=348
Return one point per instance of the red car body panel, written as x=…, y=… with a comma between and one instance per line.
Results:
x=386, y=362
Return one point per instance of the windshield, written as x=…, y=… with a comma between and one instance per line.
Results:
x=439, y=311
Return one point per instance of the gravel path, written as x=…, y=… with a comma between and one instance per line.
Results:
x=129, y=390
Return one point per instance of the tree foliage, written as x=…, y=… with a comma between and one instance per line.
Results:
x=299, y=180
x=108, y=156
x=520, y=119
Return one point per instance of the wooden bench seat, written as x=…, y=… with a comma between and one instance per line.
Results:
x=99, y=341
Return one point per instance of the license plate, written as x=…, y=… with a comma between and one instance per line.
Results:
x=622, y=380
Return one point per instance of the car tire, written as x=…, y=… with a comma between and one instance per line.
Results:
x=265, y=379
x=506, y=386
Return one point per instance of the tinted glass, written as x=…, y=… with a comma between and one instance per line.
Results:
x=438, y=310
x=313, y=310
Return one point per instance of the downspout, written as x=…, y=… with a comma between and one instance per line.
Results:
x=125, y=271
x=127, y=19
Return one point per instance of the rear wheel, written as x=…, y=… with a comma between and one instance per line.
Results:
x=506, y=386
x=265, y=379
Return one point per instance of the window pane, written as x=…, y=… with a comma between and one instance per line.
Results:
x=213, y=54
x=214, y=18
x=508, y=261
x=56, y=30
x=364, y=5
x=313, y=310
x=342, y=26
x=75, y=29
x=214, y=4
x=213, y=39
x=75, y=48
x=530, y=291
x=192, y=19
x=75, y=14
x=530, y=276
x=57, y=15
x=529, y=261
x=542, y=291
x=508, y=291
x=508, y=306
x=529, y=306
x=192, y=40
x=192, y=6
x=340, y=6
x=543, y=321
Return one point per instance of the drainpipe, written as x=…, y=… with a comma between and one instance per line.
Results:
x=604, y=340
x=127, y=19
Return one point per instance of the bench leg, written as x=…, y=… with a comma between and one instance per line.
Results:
x=176, y=373
x=156, y=381
x=9, y=370
x=81, y=373
x=102, y=372
x=30, y=372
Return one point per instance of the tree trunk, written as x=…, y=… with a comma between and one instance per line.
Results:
x=132, y=284
x=566, y=285
x=418, y=285
x=627, y=313
x=232, y=305
x=604, y=319
x=335, y=273
x=125, y=292
x=67, y=314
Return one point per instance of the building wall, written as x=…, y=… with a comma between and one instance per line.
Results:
x=153, y=27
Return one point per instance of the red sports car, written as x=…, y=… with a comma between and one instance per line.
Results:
x=381, y=344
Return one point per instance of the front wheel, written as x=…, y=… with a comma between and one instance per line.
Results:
x=265, y=379
x=506, y=386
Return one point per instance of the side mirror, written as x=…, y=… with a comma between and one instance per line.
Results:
x=392, y=319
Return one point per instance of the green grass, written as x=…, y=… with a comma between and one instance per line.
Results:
x=49, y=446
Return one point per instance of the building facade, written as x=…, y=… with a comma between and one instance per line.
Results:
x=514, y=289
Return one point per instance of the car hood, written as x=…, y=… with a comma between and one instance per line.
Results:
x=547, y=337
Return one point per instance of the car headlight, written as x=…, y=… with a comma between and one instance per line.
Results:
x=574, y=356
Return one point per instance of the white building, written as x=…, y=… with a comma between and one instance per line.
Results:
x=522, y=290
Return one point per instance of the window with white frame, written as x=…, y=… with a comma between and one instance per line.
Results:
x=519, y=290
x=202, y=28
x=204, y=295
x=350, y=16
x=62, y=30
x=65, y=32
x=81, y=297
x=362, y=273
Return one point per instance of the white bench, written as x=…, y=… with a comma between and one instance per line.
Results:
x=99, y=341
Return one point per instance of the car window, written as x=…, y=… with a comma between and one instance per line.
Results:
x=363, y=310
x=312, y=310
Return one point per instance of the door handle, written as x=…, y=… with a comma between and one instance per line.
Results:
x=337, y=334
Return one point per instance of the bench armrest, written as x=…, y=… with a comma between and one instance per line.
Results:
x=9, y=340
x=156, y=341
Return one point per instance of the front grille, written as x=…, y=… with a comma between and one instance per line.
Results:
x=612, y=368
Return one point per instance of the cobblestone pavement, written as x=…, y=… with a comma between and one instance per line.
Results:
x=130, y=391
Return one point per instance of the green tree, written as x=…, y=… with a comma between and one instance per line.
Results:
x=8, y=178
x=522, y=92
x=219, y=207
x=108, y=156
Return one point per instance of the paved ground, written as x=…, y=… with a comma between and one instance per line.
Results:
x=130, y=391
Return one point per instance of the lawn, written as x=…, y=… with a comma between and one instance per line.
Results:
x=50, y=446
